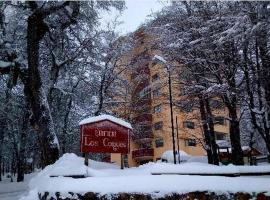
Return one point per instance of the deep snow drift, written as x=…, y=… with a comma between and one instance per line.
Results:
x=107, y=178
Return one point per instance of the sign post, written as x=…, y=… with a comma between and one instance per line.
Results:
x=86, y=157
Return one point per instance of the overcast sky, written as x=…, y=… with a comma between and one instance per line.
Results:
x=136, y=13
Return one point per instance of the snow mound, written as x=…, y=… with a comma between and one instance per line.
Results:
x=194, y=168
x=72, y=165
x=108, y=179
x=200, y=159
x=68, y=164
x=184, y=157
x=106, y=117
x=168, y=156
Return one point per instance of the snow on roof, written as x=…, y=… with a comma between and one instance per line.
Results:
x=244, y=148
x=106, y=117
x=223, y=143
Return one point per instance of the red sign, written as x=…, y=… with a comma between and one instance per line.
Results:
x=104, y=137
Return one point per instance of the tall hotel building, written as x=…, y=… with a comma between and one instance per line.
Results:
x=147, y=107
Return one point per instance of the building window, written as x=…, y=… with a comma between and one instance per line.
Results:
x=189, y=124
x=146, y=145
x=158, y=125
x=157, y=93
x=219, y=120
x=220, y=136
x=159, y=142
x=157, y=109
x=190, y=142
x=155, y=77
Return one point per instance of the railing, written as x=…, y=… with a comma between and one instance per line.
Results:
x=146, y=117
x=143, y=138
x=140, y=153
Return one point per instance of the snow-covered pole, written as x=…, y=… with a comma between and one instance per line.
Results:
x=178, y=145
x=168, y=67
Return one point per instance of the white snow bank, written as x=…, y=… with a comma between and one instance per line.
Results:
x=71, y=164
x=200, y=159
x=156, y=185
x=106, y=117
x=168, y=156
x=13, y=190
x=195, y=168
x=184, y=157
x=204, y=168
x=68, y=164
x=109, y=179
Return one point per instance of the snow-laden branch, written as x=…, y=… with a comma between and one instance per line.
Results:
x=4, y=64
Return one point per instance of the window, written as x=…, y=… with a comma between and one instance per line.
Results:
x=157, y=109
x=146, y=145
x=158, y=125
x=219, y=120
x=189, y=124
x=159, y=142
x=157, y=93
x=155, y=77
x=190, y=142
x=220, y=136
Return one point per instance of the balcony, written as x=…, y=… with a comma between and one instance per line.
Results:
x=143, y=136
x=143, y=140
x=143, y=154
x=145, y=117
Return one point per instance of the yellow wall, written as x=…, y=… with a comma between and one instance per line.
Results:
x=143, y=44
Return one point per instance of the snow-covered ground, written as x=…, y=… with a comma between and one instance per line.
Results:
x=106, y=178
x=13, y=190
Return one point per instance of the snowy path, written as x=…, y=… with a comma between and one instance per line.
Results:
x=13, y=190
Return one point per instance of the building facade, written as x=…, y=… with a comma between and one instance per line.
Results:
x=149, y=108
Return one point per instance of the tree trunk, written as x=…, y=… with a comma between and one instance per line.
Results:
x=263, y=57
x=262, y=38
x=21, y=157
x=1, y=147
x=206, y=131
x=1, y=166
x=41, y=120
x=265, y=60
x=237, y=152
x=212, y=133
